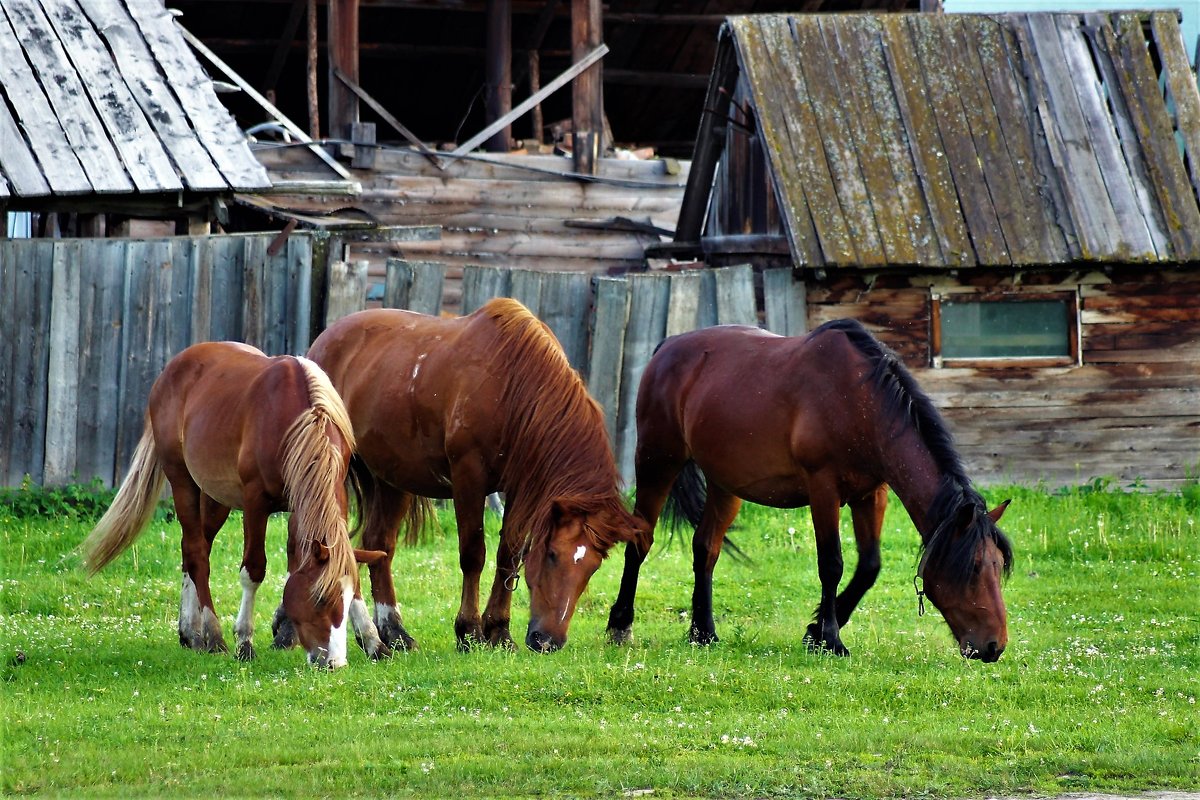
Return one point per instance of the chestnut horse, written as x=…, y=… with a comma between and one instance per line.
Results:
x=229, y=428
x=826, y=420
x=459, y=408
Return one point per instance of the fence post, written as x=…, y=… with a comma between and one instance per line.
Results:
x=735, y=296
x=347, y=289
x=649, y=297
x=62, y=400
x=785, y=302
x=481, y=284
x=414, y=285
x=566, y=301
x=609, y=317
x=683, y=310
x=526, y=288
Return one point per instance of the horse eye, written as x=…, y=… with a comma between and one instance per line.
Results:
x=552, y=556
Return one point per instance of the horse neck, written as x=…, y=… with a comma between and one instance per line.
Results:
x=915, y=477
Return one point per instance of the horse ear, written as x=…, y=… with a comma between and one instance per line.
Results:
x=996, y=513
x=320, y=552
x=369, y=557
x=966, y=516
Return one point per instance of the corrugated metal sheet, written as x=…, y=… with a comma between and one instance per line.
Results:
x=962, y=140
x=104, y=97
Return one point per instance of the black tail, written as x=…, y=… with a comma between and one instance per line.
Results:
x=685, y=503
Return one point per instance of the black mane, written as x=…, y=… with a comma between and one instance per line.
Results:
x=907, y=404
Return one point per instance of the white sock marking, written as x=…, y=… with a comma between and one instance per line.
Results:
x=189, y=608
x=244, y=627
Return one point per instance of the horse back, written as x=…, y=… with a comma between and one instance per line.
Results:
x=761, y=414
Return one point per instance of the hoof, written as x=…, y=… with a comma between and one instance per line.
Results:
x=818, y=644
x=244, y=652
x=469, y=635
x=620, y=636
x=393, y=635
x=375, y=649
x=703, y=638
x=500, y=638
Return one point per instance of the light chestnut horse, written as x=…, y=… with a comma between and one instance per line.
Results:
x=229, y=427
x=734, y=413
x=460, y=408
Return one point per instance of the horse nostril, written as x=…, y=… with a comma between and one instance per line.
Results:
x=992, y=652
x=540, y=642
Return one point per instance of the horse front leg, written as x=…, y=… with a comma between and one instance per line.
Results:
x=384, y=508
x=867, y=514
x=824, y=632
x=467, y=477
x=651, y=496
x=720, y=508
x=497, y=616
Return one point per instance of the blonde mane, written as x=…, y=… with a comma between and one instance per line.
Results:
x=313, y=471
x=553, y=432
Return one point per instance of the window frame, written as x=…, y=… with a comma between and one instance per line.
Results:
x=1071, y=296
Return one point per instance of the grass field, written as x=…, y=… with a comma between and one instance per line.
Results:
x=1096, y=692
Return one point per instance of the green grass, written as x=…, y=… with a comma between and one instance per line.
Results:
x=1097, y=691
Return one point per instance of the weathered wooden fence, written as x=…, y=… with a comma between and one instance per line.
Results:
x=608, y=326
x=86, y=325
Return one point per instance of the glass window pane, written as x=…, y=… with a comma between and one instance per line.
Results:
x=1005, y=328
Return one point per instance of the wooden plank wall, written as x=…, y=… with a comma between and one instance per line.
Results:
x=86, y=325
x=608, y=326
x=510, y=212
x=1131, y=411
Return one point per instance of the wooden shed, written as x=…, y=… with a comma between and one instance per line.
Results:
x=105, y=111
x=1009, y=201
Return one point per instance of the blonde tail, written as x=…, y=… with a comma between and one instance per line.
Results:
x=131, y=509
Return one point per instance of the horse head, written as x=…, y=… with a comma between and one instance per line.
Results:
x=559, y=564
x=320, y=621
x=962, y=578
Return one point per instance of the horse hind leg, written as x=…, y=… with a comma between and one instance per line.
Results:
x=253, y=572
x=385, y=508
x=720, y=509
x=199, y=628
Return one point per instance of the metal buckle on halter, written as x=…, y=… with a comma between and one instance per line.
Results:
x=514, y=580
x=920, y=595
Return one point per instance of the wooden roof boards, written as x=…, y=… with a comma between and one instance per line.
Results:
x=103, y=97
x=961, y=140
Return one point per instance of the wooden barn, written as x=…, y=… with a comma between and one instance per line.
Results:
x=1009, y=201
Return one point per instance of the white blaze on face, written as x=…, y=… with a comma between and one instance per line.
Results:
x=337, y=633
x=580, y=552
x=244, y=627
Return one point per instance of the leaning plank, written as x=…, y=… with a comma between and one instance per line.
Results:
x=141, y=153
x=59, y=164
x=68, y=98
x=149, y=87
x=610, y=314
x=62, y=400
x=1155, y=132
x=214, y=126
x=1181, y=82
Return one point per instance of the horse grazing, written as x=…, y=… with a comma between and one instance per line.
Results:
x=735, y=413
x=229, y=428
x=459, y=408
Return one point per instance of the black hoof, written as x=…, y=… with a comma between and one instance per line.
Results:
x=244, y=652
x=394, y=637
x=702, y=637
x=620, y=636
x=818, y=644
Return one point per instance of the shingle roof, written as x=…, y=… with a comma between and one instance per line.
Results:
x=104, y=97
x=961, y=140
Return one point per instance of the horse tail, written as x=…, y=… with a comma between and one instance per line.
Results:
x=685, y=503
x=312, y=469
x=131, y=509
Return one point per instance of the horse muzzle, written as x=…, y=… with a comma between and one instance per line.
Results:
x=541, y=642
x=989, y=653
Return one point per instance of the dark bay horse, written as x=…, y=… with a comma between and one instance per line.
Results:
x=459, y=408
x=826, y=420
x=229, y=428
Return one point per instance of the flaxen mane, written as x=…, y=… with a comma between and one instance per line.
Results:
x=313, y=469
x=907, y=404
x=554, y=435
